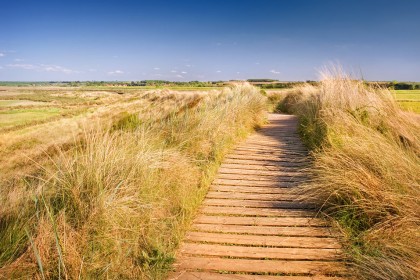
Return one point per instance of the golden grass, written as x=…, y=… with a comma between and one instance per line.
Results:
x=116, y=202
x=366, y=171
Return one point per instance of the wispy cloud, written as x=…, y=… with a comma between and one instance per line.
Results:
x=19, y=59
x=183, y=72
x=2, y=54
x=23, y=66
x=274, y=72
x=42, y=67
x=173, y=71
x=179, y=76
x=188, y=65
x=156, y=68
x=218, y=71
x=116, y=72
x=56, y=68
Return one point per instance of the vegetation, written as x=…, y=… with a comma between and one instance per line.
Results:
x=114, y=203
x=366, y=171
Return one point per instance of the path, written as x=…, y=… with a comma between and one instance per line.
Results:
x=252, y=225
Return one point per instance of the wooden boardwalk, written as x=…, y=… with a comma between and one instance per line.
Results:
x=252, y=224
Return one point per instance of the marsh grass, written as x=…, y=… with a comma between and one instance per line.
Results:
x=366, y=171
x=117, y=202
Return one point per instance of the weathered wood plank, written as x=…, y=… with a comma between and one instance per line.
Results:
x=287, y=158
x=260, y=252
x=267, y=163
x=265, y=266
x=281, y=177
x=247, y=182
x=252, y=189
x=194, y=275
x=253, y=196
x=260, y=166
x=260, y=221
x=265, y=230
x=264, y=240
x=258, y=212
x=257, y=204
x=260, y=172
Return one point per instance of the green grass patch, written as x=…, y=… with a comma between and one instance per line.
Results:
x=412, y=106
x=19, y=117
x=407, y=95
x=12, y=103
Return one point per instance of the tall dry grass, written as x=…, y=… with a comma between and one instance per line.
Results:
x=116, y=204
x=366, y=171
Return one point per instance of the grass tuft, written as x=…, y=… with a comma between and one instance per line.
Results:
x=366, y=170
x=116, y=202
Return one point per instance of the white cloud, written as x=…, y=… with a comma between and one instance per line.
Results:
x=183, y=72
x=156, y=68
x=179, y=76
x=23, y=66
x=274, y=72
x=56, y=68
x=42, y=67
x=2, y=54
x=116, y=72
x=19, y=60
x=218, y=71
x=173, y=71
x=187, y=65
x=1, y=67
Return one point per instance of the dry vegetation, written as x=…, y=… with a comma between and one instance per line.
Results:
x=110, y=191
x=366, y=171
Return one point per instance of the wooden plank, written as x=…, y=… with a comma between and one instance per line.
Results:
x=261, y=266
x=287, y=158
x=195, y=275
x=252, y=183
x=271, y=150
x=261, y=221
x=281, y=177
x=264, y=240
x=253, y=196
x=283, y=153
x=257, y=204
x=261, y=166
x=268, y=149
x=248, y=189
x=257, y=212
x=272, y=145
x=260, y=252
x=266, y=230
x=266, y=163
x=260, y=172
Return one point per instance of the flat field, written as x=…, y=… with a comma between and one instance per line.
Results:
x=408, y=99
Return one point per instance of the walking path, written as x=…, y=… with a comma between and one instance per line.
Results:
x=252, y=224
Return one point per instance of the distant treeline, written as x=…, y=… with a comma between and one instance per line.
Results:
x=262, y=83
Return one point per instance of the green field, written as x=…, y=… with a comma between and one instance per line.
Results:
x=19, y=117
x=408, y=99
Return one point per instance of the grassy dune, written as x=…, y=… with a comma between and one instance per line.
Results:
x=366, y=171
x=114, y=204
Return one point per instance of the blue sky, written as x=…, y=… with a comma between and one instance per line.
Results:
x=208, y=40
